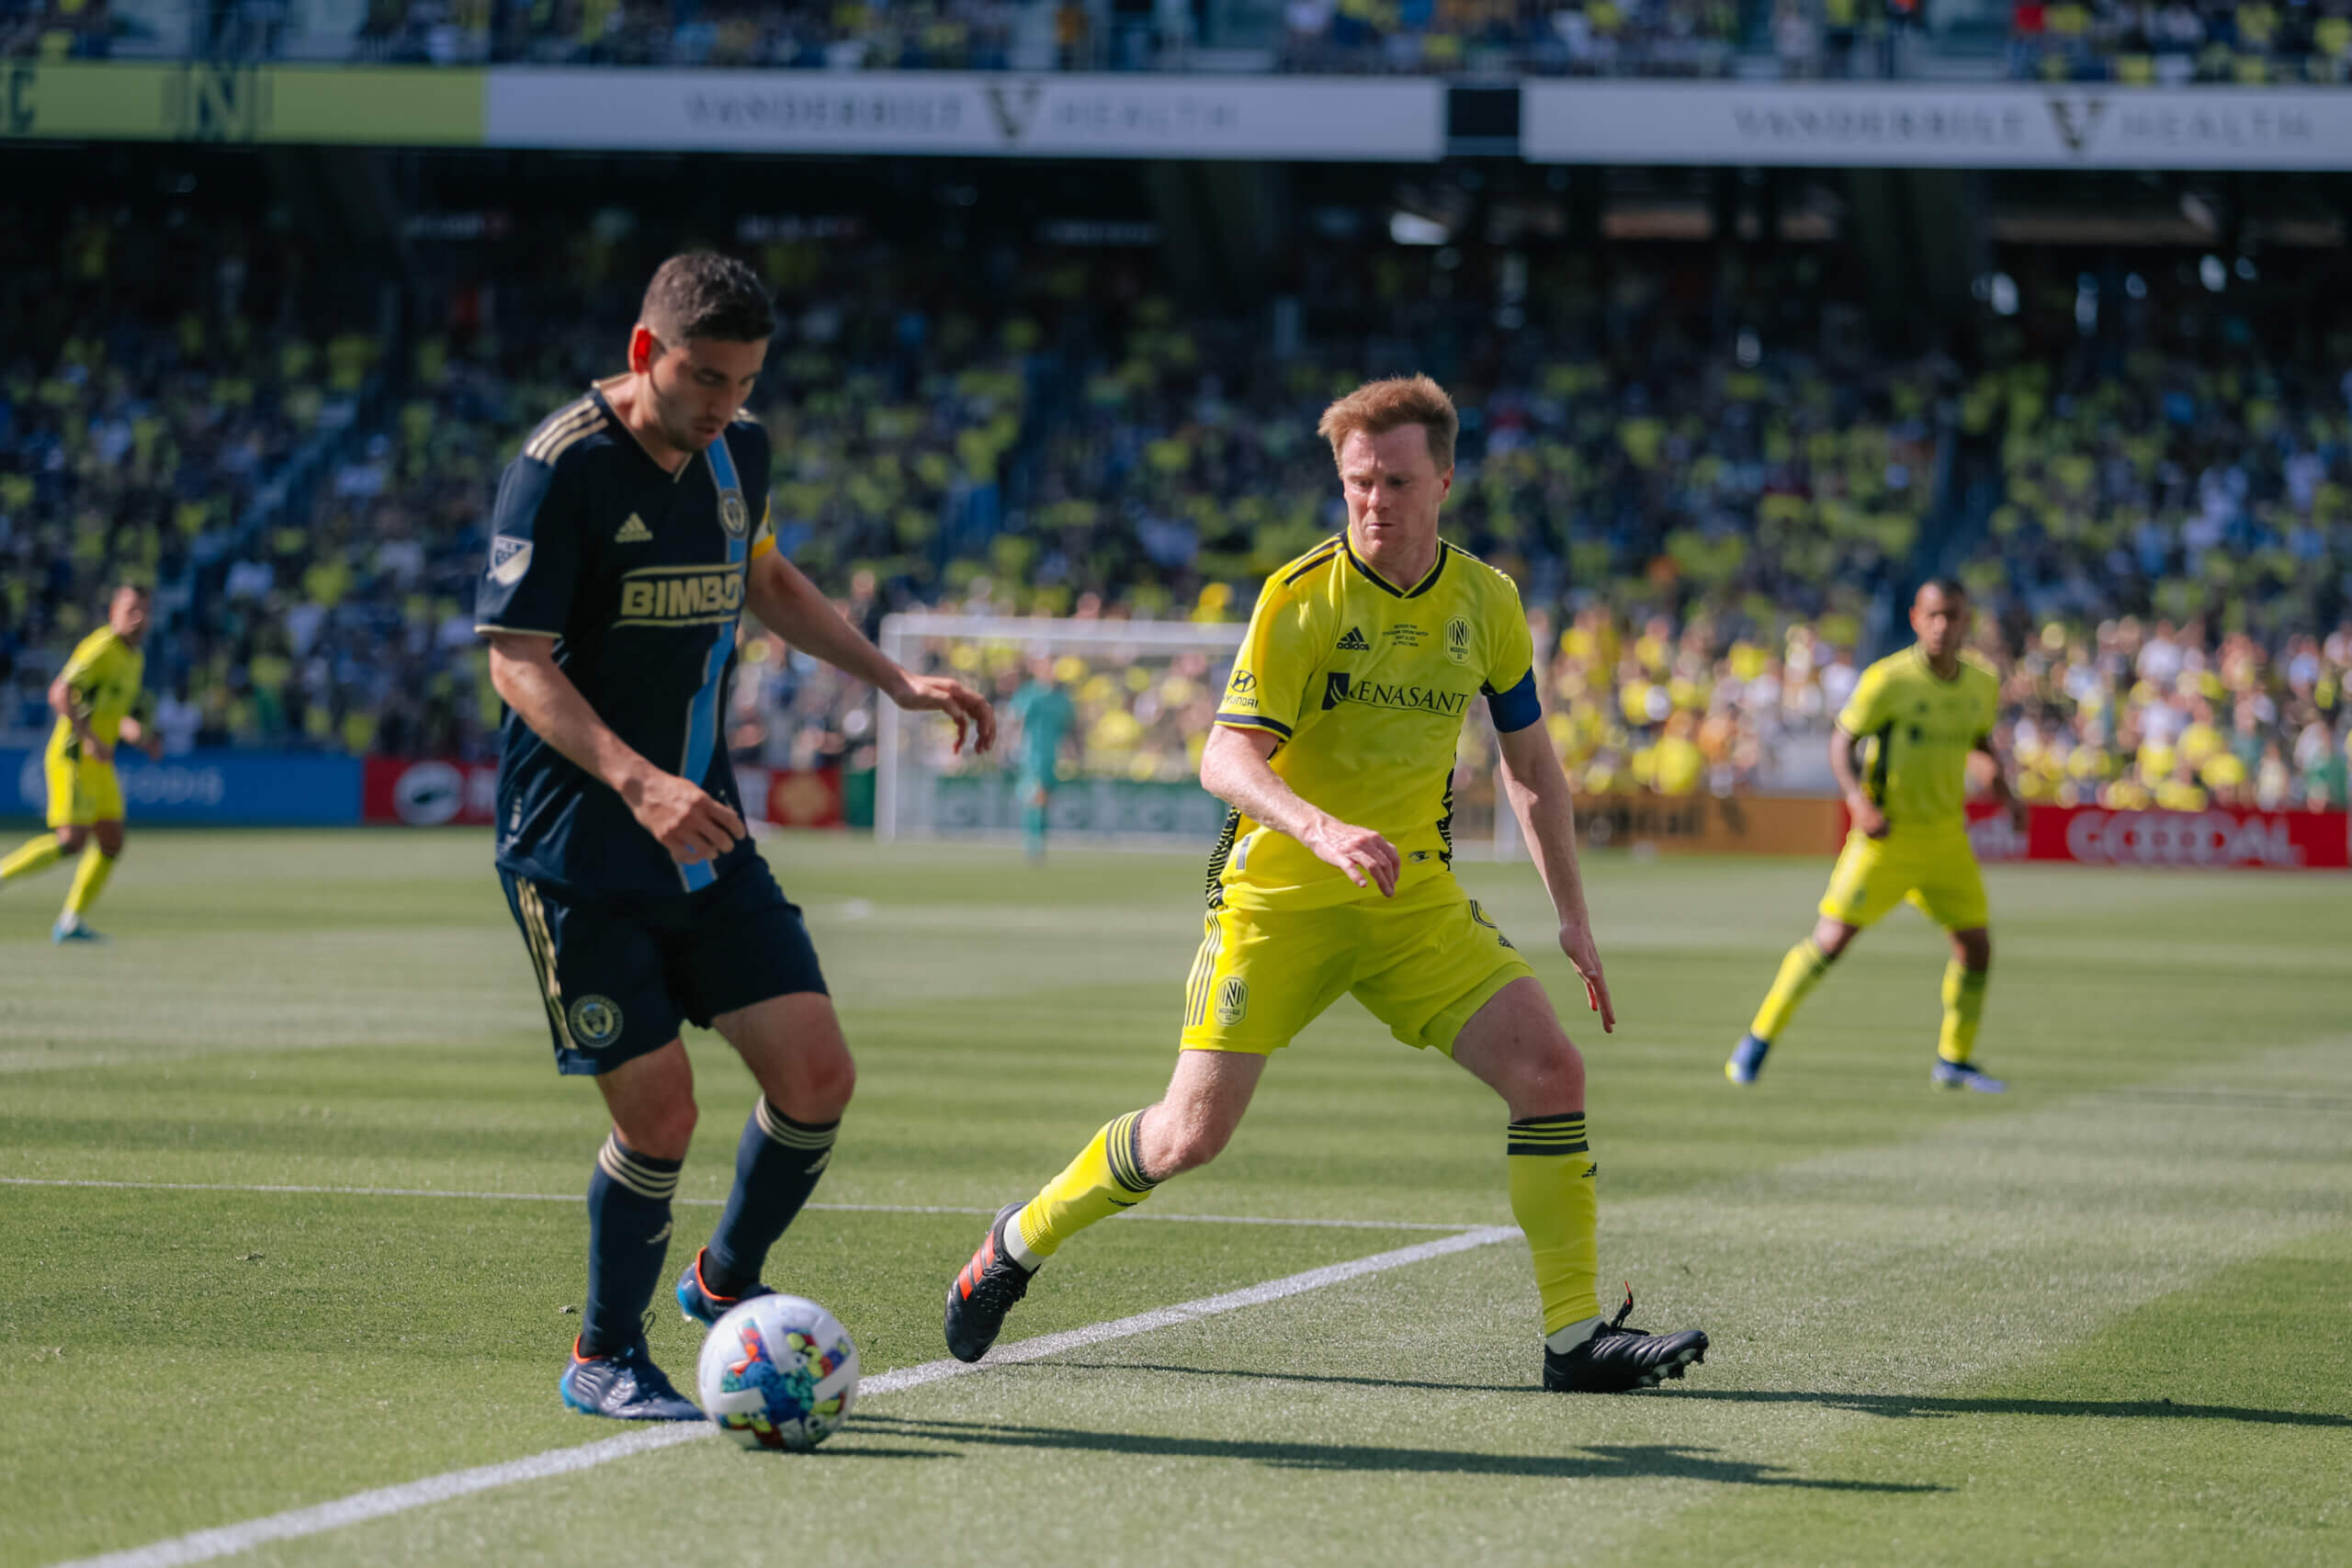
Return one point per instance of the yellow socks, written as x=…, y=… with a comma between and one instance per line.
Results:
x=1800, y=970
x=1552, y=1196
x=32, y=855
x=1107, y=1176
x=1963, y=1009
x=89, y=881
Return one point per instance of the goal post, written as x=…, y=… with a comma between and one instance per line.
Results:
x=1145, y=696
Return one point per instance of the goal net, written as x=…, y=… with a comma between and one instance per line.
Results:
x=1143, y=696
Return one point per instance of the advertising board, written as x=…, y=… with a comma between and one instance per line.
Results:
x=1706, y=824
x=969, y=114
x=228, y=788
x=2219, y=837
x=1919, y=125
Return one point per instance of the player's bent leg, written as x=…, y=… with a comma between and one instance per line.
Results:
x=793, y=1046
x=651, y=1101
x=1965, y=978
x=89, y=879
x=1515, y=1045
x=1801, y=968
x=36, y=855
x=1118, y=1168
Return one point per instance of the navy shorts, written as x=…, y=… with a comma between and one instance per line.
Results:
x=619, y=971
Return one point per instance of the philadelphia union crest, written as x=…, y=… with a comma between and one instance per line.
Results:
x=595, y=1022
x=733, y=515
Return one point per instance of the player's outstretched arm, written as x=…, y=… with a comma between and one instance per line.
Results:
x=1234, y=768
x=691, y=825
x=1538, y=790
x=788, y=604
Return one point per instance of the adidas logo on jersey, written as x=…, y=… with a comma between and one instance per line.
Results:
x=1353, y=642
x=634, y=532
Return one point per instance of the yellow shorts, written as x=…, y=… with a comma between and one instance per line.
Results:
x=1937, y=872
x=81, y=790
x=1422, y=963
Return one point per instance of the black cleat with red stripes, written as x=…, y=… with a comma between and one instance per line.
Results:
x=983, y=1292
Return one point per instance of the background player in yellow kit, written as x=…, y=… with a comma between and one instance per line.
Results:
x=1334, y=746
x=98, y=702
x=1915, y=717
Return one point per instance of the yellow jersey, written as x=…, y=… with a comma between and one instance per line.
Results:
x=1917, y=730
x=104, y=675
x=1366, y=684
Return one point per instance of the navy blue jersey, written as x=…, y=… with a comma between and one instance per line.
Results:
x=638, y=575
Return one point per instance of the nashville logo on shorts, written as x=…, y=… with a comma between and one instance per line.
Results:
x=1232, y=1000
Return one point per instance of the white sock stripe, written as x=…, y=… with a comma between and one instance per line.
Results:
x=202, y=1546
x=634, y=1174
x=780, y=1129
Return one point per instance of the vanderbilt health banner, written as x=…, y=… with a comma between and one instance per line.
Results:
x=1921, y=125
x=975, y=115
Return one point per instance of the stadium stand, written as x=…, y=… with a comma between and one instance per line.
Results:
x=1713, y=522
x=2176, y=42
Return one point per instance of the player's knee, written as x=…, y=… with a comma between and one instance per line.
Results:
x=663, y=1131
x=1832, y=937
x=110, y=843
x=1975, y=949
x=1179, y=1138
x=71, y=839
x=823, y=1084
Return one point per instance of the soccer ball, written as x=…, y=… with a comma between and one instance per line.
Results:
x=778, y=1372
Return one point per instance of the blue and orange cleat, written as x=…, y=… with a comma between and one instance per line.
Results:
x=1964, y=1075
x=1747, y=1059
x=704, y=1305
x=624, y=1386
x=69, y=928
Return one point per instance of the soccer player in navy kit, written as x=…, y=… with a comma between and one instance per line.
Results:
x=629, y=537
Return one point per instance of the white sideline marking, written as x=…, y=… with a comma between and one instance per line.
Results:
x=699, y=1203
x=202, y=1546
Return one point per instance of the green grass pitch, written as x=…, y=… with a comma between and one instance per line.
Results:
x=2099, y=1320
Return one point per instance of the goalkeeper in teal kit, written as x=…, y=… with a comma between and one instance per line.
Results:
x=1042, y=710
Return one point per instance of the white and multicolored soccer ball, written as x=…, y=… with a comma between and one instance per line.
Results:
x=778, y=1372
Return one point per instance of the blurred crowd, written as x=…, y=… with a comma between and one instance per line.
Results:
x=1711, y=493
x=2171, y=42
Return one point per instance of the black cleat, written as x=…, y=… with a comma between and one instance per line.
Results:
x=625, y=1385
x=1617, y=1359
x=984, y=1291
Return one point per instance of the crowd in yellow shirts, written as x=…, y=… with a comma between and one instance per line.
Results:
x=1709, y=532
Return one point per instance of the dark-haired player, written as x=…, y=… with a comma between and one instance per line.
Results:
x=1900, y=753
x=629, y=535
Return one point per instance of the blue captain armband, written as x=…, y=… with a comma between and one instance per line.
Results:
x=1517, y=708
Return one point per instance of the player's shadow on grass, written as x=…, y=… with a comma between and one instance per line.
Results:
x=1299, y=1377
x=1600, y=1462
x=1914, y=1407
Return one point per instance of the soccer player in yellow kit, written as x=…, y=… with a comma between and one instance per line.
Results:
x=1917, y=715
x=1334, y=746
x=98, y=702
